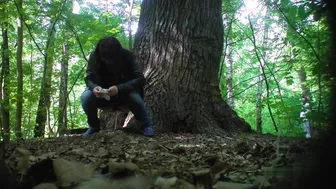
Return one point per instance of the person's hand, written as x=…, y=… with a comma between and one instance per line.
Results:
x=96, y=91
x=112, y=91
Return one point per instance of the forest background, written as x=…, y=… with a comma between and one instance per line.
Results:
x=275, y=52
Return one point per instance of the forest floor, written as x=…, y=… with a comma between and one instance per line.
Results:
x=126, y=161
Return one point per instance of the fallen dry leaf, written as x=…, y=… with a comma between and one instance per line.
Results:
x=165, y=183
x=102, y=153
x=134, y=183
x=182, y=184
x=189, y=157
x=23, y=160
x=219, y=167
x=69, y=173
x=46, y=186
x=202, y=178
x=104, y=183
x=101, y=183
x=229, y=185
x=123, y=169
x=261, y=181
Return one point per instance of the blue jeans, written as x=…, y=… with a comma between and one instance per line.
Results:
x=90, y=104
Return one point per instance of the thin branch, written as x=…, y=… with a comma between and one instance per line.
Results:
x=250, y=86
x=279, y=70
x=240, y=40
x=297, y=32
x=263, y=70
x=28, y=28
x=70, y=112
x=77, y=39
x=54, y=24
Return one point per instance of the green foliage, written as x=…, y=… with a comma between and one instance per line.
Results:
x=76, y=30
x=295, y=40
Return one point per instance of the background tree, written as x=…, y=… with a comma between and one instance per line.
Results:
x=130, y=4
x=19, y=93
x=42, y=116
x=63, y=90
x=261, y=78
x=128, y=11
x=229, y=9
x=4, y=79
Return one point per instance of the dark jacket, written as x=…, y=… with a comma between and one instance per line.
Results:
x=126, y=74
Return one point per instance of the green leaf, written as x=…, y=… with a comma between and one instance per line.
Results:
x=28, y=22
x=292, y=12
x=317, y=16
x=301, y=12
x=289, y=82
x=284, y=3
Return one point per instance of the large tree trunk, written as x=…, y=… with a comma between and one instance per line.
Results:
x=44, y=100
x=5, y=81
x=179, y=45
x=19, y=95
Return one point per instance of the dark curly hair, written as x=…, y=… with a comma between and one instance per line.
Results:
x=108, y=51
x=108, y=48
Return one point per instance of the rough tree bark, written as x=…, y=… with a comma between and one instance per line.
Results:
x=19, y=95
x=179, y=45
x=63, y=91
x=5, y=81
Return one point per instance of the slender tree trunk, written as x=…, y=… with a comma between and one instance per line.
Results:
x=261, y=75
x=70, y=114
x=19, y=95
x=63, y=91
x=303, y=79
x=130, y=37
x=227, y=60
x=44, y=100
x=31, y=88
x=259, y=102
x=229, y=77
x=179, y=45
x=5, y=81
x=2, y=12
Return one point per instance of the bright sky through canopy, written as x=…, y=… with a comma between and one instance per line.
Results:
x=251, y=6
x=76, y=6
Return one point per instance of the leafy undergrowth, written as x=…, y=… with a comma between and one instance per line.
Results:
x=126, y=161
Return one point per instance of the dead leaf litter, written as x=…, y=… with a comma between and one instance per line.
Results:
x=165, y=161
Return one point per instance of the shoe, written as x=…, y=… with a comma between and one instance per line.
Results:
x=148, y=131
x=91, y=131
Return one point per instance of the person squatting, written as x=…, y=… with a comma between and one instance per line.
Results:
x=113, y=77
